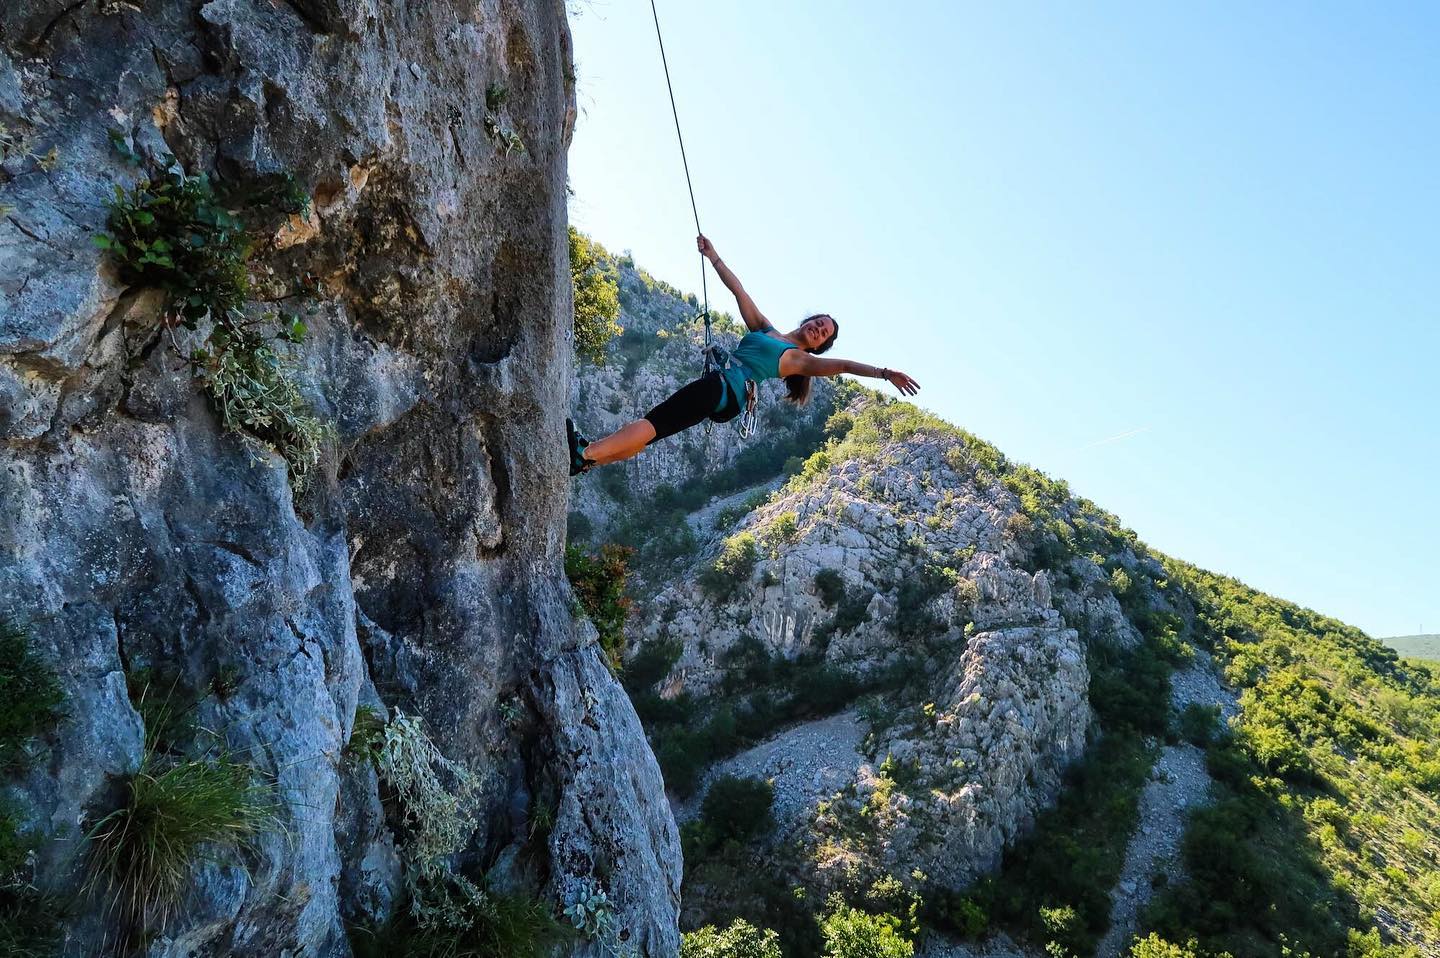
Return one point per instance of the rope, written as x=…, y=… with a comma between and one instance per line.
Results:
x=704, y=290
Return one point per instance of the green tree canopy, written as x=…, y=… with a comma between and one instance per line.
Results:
x=740, y=940
x=597, y=296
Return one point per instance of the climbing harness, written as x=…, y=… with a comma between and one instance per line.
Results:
x=718, y=359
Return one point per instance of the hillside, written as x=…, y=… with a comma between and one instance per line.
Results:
x=899, y=683
x=1416, y=646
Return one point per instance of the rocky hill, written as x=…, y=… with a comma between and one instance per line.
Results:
x=291, y=665
x=899, y=674
x=1416, y=646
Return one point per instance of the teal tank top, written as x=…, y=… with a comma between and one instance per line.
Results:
x=757, y=357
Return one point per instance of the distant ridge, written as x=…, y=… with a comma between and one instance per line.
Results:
x=1416, y=646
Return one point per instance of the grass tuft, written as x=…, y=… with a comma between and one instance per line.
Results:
x=142, y=852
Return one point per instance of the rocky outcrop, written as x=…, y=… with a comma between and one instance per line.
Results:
x=982, y=685
x=421, y=570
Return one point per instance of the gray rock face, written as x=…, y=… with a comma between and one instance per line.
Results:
x=423, y=566
x=994, y=701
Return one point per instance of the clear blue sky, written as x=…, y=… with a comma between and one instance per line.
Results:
x=1184, y=256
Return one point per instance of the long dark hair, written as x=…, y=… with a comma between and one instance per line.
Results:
x=797, y=388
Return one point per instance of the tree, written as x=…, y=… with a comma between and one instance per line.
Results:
x=597, y=296
x=740, y=940
x=852, y=933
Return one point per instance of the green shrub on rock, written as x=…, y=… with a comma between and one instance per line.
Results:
x=830, y=586
x=852, y=933
x=737, y=809
x=734, y=566
x=30, y=700
x=599, y=583
x=172, y=232
x=29, y=697
x=740, y=940
x=1153, y=946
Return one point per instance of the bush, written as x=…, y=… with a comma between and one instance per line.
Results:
x=829, y=586
x=851, y=933
x=740, y=940
x=481, y=924
x=29, y=697
x=1153, y=946
x=853, y=610
x=734, y=566
x=594, y=280
x=737, y=809
x=599, y=583
x=254, y=392
x=172, y=232
x=1198, y=724
x=914, y=618
x=434, y=795
x=651, y=664
x=1130, y=689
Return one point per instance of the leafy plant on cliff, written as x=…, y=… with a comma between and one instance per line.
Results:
x=488, y=924
x=735, y=810
x=591, y=912
x=174, y=233
x=253, y=387
x=446, y=913
x=30, y=699
x=434, y=794
x=732, y=568
x=599, y=583
x=27, y=916
x=597, y=296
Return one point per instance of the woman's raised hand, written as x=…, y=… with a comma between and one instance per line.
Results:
x=706, y=248
x=902, y=382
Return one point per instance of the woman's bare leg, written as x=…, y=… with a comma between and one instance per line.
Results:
x=623, y=443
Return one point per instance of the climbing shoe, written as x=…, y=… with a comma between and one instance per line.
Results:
x=578, y=462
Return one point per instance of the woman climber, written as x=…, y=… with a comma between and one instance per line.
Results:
x=763, y=353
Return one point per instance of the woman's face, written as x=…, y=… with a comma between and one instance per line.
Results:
x=814, y=332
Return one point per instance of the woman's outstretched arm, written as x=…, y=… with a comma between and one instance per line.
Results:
x=754, y=319
x=795, y=362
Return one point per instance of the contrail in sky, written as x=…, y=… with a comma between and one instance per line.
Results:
x=1123, y=435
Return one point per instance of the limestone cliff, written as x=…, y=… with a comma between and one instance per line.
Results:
x=420, y=571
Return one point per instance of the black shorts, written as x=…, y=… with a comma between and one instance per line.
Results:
x=693, y=403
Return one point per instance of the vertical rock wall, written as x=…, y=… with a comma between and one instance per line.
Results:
x=421, y=570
